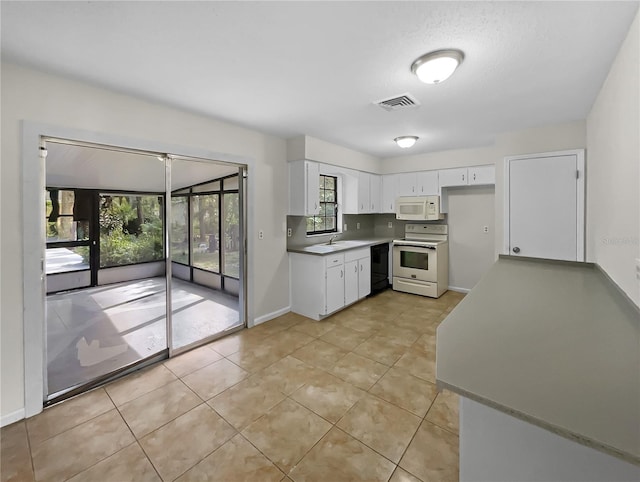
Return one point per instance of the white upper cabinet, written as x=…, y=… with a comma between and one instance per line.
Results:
x=467, y=176
x=375, y=193
x=364, y=193
x=304, y=190
x=453, y=177
x=479, y=175
x=427, y=183
x=406, y=184
x=421, y=183
x=463, y=176
x=389, y=193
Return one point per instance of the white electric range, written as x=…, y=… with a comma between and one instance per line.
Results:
x=421, y=260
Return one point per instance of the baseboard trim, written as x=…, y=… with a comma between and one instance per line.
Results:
x=459, y=290
x=271, y=316
x=12, y=417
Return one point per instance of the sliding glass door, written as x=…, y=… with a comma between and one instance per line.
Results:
x=144, y=260
x=205, y=264
x=106, y=307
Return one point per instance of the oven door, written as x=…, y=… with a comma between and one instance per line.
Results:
x=415, y=262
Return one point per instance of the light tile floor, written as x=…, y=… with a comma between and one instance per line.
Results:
x=350, y=398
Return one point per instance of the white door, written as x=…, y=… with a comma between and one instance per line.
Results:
x=545, y=206
x=334, y=289
x=350, y=282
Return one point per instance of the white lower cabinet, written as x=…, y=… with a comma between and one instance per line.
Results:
x=322, y=285
x=351, y=282
x=335, y=284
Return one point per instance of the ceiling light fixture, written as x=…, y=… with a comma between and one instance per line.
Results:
x=438, y=66
x=406, y=141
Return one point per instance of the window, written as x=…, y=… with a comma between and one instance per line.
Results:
x=68, y=214
x=131, y=229
x=326, y=221
x=231, y=228
x=180, y=229
x=204, y=229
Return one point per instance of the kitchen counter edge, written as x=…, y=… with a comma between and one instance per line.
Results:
x=363, y=243
x=491, y=397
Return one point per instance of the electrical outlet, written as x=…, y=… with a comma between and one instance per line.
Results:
x=485, y=229
x=389, y=224
x=357, y=225
x=261, y=234
x=289, y=232
x=345, y=227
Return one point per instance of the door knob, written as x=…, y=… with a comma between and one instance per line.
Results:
x=516, y=250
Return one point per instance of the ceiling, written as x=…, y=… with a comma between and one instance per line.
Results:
x=315, y=68
x=76, y=166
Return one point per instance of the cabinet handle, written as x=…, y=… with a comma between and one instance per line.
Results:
x=361, y=266
x=463, y=177
x=341, y=274
x=474, y=176
x=356, y=268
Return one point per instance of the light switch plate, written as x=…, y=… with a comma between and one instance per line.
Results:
x=345, y=227
x=389, y=224
x=261, y=234
x=357, y=225
x=289, y=232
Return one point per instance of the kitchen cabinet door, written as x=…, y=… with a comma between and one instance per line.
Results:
x=304, y=188
x=364, y=277
x=334, y=289
x=312, y=179
x=375, y=193
x=407, y=184
x=482, y=175
x=364, y=193
x=351, y=287
x=427, y=183
x=389, y=193
x=453, y=177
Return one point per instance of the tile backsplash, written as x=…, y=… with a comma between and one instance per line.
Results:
x=370, y=225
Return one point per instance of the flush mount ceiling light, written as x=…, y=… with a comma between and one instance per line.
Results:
x=406, y=141
x=436, y=67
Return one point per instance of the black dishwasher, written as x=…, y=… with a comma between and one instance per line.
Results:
x=379, y=268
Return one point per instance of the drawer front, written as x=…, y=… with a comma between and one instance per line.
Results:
x=334, y=260
x=354, y=254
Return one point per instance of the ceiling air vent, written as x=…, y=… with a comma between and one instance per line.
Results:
x=403, y=101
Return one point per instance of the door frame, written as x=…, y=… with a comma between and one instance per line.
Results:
x=580, y=196
x=33, y=236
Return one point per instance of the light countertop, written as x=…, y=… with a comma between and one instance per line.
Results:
x=338, y=245
x=553, y=343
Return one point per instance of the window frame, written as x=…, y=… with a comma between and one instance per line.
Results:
x=323, y=204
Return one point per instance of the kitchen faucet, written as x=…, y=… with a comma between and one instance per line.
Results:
x=332, y=239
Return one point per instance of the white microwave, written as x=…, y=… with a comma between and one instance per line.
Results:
x=418, y=208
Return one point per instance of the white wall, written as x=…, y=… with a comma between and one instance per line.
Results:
x=38, y=97
x=471, y=250
x=307, y=147
x=613, y=160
